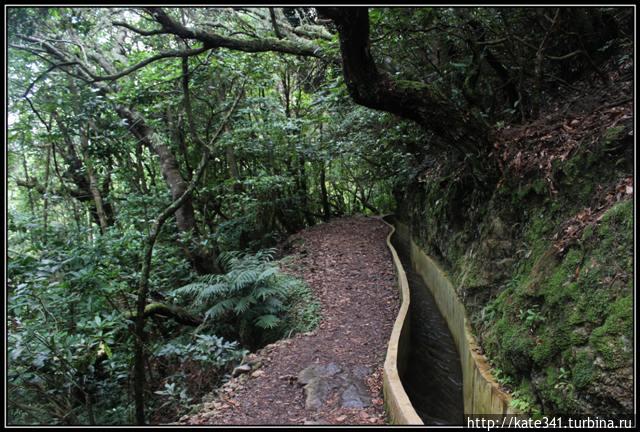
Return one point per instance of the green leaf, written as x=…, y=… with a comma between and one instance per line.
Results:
x=267, y=321
x=106, y=349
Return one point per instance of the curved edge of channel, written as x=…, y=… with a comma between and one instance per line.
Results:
x=481, y=393
x=397, y=403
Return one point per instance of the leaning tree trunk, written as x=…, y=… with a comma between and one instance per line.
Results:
x=145, y=272
x=203, y=261
x=453, y=127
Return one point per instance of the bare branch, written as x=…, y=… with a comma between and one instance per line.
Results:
x=42, y=75
x=137, y=30
x=162, y=55
x=566, y=56
x=64, y=57
x=35, y=111
x=37, y=52
x=26, y=48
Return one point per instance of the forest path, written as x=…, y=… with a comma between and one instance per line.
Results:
x=348, y=265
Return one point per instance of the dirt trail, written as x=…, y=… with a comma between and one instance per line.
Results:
x=347, y=264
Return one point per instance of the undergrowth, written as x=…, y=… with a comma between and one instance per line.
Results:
x=253, y=301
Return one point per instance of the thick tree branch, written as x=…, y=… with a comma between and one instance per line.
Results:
x=160, y=56
x=43, y=74
x=416, y=101
x=33, y=184
x=137, y=30
x=179, y=314
x=299, y=47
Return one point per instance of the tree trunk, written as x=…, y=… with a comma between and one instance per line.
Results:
x=454, y=129
x=97, y=198
x=169, y=167
x=75, y=170
x=145, y=272
x=140, y=170
x=45, y=196
x=93, y=182
x=326, y=210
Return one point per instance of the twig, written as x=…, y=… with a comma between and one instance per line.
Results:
x=620, y=102
x=137, y=30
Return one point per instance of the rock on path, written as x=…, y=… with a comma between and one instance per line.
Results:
x=332, y=375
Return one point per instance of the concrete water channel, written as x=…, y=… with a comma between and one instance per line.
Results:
x=434, y=373
x=433, y=377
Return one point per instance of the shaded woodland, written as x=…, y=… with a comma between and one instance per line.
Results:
x=159, y=158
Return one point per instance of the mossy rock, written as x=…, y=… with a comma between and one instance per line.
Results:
x=583, y=371
x=558, y=391
x=517, y=345
x=613, y=340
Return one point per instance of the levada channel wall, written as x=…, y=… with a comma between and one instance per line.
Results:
x=481, y=393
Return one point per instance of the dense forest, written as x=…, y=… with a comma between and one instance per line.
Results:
x=158, y=159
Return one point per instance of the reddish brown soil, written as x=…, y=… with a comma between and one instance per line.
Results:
x=347, y=264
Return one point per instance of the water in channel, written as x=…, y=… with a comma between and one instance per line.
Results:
x=433, y=379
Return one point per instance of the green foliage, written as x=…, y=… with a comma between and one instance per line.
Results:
x=523, y=399
x=60, y=369
x=297, y=151
x=303, y=313
x=67, y=337
x=208, y=349
x=531, y=317
x=251, y=300
x=613, y=340
x=198, y=363
x=583, y=371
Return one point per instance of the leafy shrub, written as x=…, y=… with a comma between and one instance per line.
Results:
x=209, y=349
x=199, y=364
x=63, y=377
x=251, y=300
x=68, y=345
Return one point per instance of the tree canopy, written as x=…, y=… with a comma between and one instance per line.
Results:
x=146, y=144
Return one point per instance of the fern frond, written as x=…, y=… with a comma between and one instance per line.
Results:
x=190, y=289
x=264, y=292
x=266, y=274
x=268, y=321
x=244, y=278
x=219, y=308
x=243, y=304
x=210, y=292
x=210, y=279
x=274, y=302
x=252, y=293
x=226, y=259
x=266, y=255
